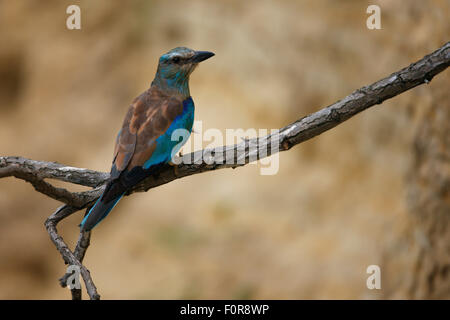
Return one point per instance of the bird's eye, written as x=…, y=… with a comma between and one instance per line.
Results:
x=176, y=59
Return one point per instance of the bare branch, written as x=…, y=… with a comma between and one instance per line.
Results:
x=43, y=170
x=301, y=130
x=79, y=252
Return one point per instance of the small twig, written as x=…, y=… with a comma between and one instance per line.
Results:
x=82, y=245
x=10, y=166
x=67, y=255
x=301, y=130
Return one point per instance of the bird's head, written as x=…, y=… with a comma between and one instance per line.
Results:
x=175, y=66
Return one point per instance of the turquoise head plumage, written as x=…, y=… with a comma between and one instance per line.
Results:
x=175, y=67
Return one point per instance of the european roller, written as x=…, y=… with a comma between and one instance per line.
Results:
x=145, y=142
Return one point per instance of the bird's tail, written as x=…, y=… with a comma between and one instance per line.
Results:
x=114, y=191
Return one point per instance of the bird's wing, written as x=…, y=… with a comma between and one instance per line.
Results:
x=150, y=115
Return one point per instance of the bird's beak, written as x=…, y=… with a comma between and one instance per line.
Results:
x=200, y=56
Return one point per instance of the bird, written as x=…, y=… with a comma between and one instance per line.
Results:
x=144, y=143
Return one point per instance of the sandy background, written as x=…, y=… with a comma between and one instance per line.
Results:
x=336, y=205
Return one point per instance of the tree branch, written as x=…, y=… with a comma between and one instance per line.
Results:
x=68, y=257
x=35, y=172
x=301, y=130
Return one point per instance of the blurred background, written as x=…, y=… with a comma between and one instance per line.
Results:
x=374, y=190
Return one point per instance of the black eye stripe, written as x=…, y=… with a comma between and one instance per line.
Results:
x=176, y=59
